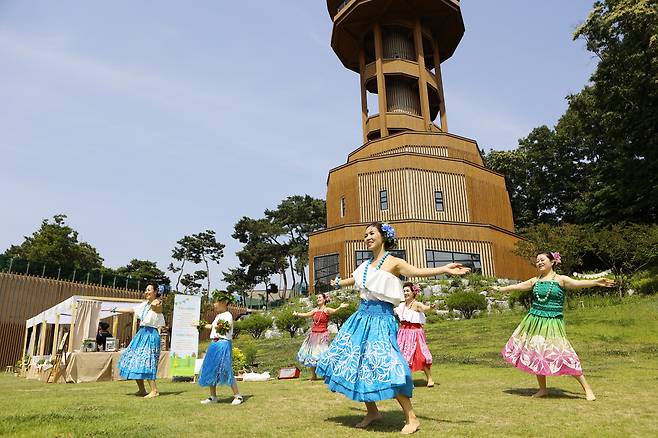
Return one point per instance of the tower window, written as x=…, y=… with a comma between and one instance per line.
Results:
x=325, y=269
x=383, y=199
x=438, y=200
x=436, y=258
x=342, y=207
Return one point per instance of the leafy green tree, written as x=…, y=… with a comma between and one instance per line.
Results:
x=56, y=243
x=573, y=242
x=238, y=282
x=298, y=216
x=341, y=315
x=200, y=248
x=626, y=249
x=286, y=321
x=255, y=324
x=262, y=255
x=466, y=302
x=143, y=270
x=599, y=164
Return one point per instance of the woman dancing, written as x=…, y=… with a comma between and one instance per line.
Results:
x=139, y=361
x=539, y=345
x=317, y=340
x=364, y=361
x=411, y=336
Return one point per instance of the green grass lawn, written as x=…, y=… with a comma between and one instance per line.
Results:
x=477, y=394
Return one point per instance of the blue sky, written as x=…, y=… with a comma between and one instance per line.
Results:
x=146, y=121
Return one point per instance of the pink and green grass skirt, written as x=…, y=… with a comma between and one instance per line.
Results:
x=539, y=345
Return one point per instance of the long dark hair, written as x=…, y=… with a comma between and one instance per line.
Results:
x=389, y=242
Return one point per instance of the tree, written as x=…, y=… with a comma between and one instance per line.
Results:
x=238, y=282
x=262, y=255
x=298, y=216
x=286, y=321
x=341, y=315
x=466, y=302
x=626, y=249
x=197, y=248
x=599, y=164
x=255, y=324
x=573, y=242
x=56, y=243
x=143, y=270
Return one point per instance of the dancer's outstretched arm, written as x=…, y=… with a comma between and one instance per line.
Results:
x=331, y=310
x=401, y=267
x=305, y=314
x=524, y=286
x=570, y=283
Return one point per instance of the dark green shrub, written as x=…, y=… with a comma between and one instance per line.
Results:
x=286, y=321
x=255, y=324
x=520, y=297
x=466, y=302
x=341, y=315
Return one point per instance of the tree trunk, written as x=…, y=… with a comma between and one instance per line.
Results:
x=292, y=271
x=285, y=285
x=180, y=274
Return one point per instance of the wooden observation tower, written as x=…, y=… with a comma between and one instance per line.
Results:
x=431, y=185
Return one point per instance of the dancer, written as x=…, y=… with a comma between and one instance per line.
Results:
x=411, y=336
x=317, y=340
x=217, y=367
x=364, y=361
x=139, y=361
x=539, y=345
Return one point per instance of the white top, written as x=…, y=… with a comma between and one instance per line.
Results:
x=226, y=316
x=410, y=315
x=147, y=317
x=381, y=285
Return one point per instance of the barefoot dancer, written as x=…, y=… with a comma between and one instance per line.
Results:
x=364, y=361
x=317, y=340
x=139, y=361
x=539, y=345
x=411, y=336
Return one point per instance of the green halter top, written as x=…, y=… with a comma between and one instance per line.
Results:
x=547, y=298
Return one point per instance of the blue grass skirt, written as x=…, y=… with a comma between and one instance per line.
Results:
x=140, y=359
x=364, y=361
x=217, y=367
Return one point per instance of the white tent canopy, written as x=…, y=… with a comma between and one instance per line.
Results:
x=65, y=309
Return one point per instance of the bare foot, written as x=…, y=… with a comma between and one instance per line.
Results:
x=540, y=393
x=430, y=383
x=152, y=394
x=141, y=393
x=410, y=427
x=590, y=396
x=368, y=419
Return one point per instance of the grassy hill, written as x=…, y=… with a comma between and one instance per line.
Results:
x=477, y=394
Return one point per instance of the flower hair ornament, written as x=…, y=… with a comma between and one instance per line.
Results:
x=415, y=289
x=556, y=257
x=388, y=230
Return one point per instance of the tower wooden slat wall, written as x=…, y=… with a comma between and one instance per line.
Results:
x=22, y=297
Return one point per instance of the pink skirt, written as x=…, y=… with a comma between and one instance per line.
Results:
x=413, y=345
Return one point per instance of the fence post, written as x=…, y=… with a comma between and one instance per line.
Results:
x=59, y=271
x=27, y=270
x=11, y=262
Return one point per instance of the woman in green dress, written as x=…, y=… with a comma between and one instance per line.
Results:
x=539, y=345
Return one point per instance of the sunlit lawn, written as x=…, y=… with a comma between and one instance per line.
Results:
x=476, y=395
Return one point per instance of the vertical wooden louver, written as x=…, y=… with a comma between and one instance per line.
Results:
x=402, y=96
x=398, y=44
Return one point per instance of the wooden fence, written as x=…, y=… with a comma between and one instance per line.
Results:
x=23, y=296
